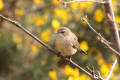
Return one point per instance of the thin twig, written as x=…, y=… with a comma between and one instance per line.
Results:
x=113, y=27
x=102, y=39
x=49, y=48
x=111, y=70
x=95, y=1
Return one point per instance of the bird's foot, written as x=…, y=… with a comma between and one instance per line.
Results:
x=70, y=59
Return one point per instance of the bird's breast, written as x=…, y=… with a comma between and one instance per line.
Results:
x=65, y=46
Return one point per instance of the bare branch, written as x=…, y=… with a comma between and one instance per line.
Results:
x=105, y=42
x=101, y=38
x=49, y=48
x=113, y=27
x=95, y=1
x=111, y=70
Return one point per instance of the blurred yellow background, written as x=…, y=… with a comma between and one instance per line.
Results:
x=23, y=58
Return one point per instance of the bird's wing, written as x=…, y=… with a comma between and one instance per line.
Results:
x=76, y=45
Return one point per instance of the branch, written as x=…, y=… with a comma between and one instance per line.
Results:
x=105, y=42
x=113, y=27
x=111, y=70
x=95, y=1
x=49, y=48
x=101, y=38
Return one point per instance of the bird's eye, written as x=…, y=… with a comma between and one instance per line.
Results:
x=62, y=32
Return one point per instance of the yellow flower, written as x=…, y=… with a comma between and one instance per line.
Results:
x=84, y=77
x=83, y=22
x=75, y=73
x=70, y=78
x=40, y=20
x=55, y=2
x=19, y=12
x=72, y=73
x=77, y=78
x=83, y=5
x=34, y=48
x=104, y=70
x=89, y=6
x=84, y=45
x=114, y=2
x=75, y=5
x=98, y=15
x=38, y=2
x=114, y=5
x=68, y=70
x=62, y=13
x=17, y=38
x=1, y=5
x=55, y=24
x=52, y=74
x=117, y=19
x=45, y=36
x=101, y=61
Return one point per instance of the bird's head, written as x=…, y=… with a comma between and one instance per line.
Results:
x=63, y=32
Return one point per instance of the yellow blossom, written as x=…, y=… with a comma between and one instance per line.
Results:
x=89, y=6
x=75, y=73
x=83, y=5
x=40, y=20
x=84, y=77
x=38, y=2
x=72, y=73
x=117, y=19
x=45, y=36
x=19, y=12
x=1, y=5
x=70, y=78
x=68, y=70
x=83, y=22
x=114, y=5
x=17, y=38
x=101, y=61
x=34, y=48
x=104, y=70
x=98, y=15
x=114, y=2
x=75, y=5
x=84, y=45
x=52, y=74
x=62, y=13
x=55, y=24
x=55, y=2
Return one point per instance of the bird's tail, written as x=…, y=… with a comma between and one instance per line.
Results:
x=82, y=51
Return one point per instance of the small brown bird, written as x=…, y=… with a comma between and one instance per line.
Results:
x=66, y=42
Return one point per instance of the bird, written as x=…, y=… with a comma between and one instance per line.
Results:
x=67, y=43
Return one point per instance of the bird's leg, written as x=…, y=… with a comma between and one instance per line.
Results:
x=59, y=54
x=70, y=58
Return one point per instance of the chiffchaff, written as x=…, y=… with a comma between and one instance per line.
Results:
x=66, y=42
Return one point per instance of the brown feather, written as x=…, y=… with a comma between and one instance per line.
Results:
x=76, y=45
